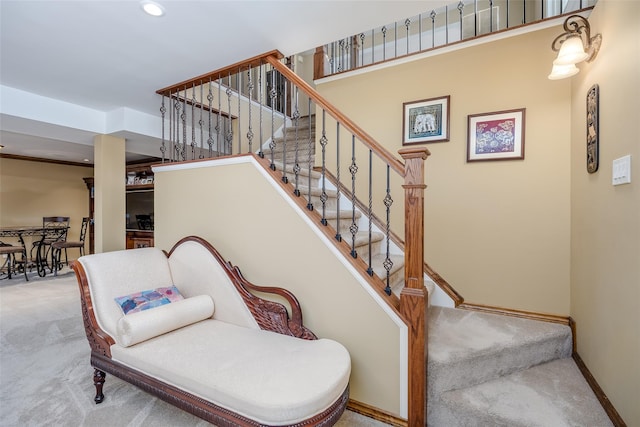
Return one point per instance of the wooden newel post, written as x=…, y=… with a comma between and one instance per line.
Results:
x=318, y=63
x=414, y=297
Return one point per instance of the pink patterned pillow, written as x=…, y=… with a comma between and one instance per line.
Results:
x=145, y=300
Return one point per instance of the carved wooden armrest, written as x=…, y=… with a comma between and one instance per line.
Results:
x=99, y=341
x=269, y=315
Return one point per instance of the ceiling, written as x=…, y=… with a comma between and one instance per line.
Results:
x=67, y=68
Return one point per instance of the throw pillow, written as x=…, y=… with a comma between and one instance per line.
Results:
x=145, y=300
x=144, y=325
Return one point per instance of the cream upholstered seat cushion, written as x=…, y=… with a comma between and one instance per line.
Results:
x=113, y=274
x=143, y=325
x=271, y=378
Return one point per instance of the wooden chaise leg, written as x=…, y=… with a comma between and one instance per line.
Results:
x=98, y=381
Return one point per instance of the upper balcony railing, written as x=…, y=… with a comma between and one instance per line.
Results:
x=436, y=28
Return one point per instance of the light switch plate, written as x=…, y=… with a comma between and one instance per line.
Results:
x=621, y=173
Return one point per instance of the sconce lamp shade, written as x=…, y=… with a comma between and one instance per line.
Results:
x=563, y=71
x=571, y=51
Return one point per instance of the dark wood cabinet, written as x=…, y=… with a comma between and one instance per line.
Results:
x=139, y=239
x=89, y=183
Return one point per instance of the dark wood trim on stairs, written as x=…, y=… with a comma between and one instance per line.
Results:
x=376, y=413
x=444, y=285
x=552, y=318
x=608, y=407
x=256, y=61
x=41, y=160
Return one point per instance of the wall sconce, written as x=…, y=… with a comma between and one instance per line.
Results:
x=573, y=46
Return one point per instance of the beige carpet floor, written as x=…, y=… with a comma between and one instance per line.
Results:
x=45, y=376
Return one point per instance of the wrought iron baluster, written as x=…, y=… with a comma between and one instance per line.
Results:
x=475, y=18
x=193, y=121
x=446, y=21
x=338, y=183
x=384, y=43
x=388, y=264
x=238, y=89
x=210, y=139
x=250, y=131
x=353, y=169
x=201, y=122
x=362, y=49
x=260, y=90
x=309, y=157
x=162, y=111
x=370, y=214
x=433, y=28
x=395, y=39
x=184, y=125
x=228, y=149
x=460, y=8
x=323, y=144
x=407, y=24
x=218, y=127
x=296, y=164
x=176, y=124
x=272, y=93
x=420, y=32
x=285, y=179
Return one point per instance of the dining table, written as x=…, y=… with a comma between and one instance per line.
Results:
x=38, y=235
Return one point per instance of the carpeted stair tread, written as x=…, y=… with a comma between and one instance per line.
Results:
x=469, y=347
x=378, y=268
x=304, y=170
x=552, y=394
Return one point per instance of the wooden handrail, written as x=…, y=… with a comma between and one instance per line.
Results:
x=364, y=137
x=256, y=61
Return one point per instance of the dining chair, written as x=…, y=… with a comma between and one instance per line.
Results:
x=54, y=230
x=10, y=263
x=58, y=246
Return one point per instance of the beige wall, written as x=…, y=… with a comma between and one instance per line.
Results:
x=250, y=223
x=605, y=220
x=110, y=198
x=497, y=231
x=30, y=190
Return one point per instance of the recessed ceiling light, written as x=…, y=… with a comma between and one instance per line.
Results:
x=152, y=8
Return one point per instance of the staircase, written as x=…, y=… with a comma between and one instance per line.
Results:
x=301, y=133
x=483, y=369
x=493, y=370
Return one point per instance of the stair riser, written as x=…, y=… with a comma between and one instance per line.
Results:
x=493, y=364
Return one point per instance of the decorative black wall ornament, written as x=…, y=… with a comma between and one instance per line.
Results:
x=593, y=128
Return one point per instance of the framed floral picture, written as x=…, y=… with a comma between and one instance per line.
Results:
x=426, y=120
x=496, y=136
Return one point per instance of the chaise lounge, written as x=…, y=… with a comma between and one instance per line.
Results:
x=186, y=327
